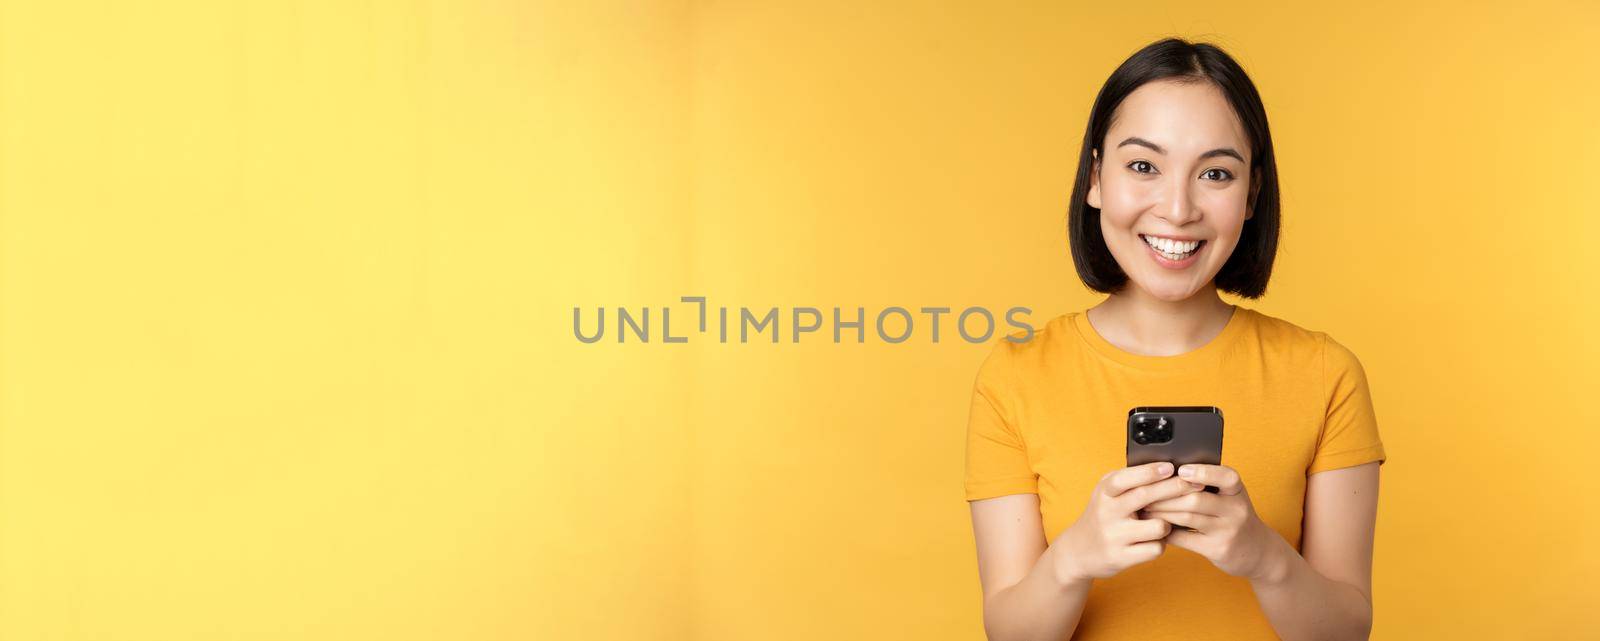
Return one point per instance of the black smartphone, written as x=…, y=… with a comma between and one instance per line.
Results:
x=1179, y=434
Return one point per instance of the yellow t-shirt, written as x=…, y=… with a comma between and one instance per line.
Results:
x=1049, y=417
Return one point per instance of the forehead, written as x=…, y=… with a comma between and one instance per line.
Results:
x=1185, y=118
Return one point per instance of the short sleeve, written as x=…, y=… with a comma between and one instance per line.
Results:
x=1350, y=431
x=997, y=457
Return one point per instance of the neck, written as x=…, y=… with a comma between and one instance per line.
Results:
x=1137, y=322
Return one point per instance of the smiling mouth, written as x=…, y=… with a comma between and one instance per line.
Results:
x=1172, y=249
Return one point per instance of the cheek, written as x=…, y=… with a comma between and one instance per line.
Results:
x=1224, y=209
x=1122, y=201
x=1225, y=202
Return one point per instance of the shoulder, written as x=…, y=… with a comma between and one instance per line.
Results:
x=1317, y=348
x=1282, y=333
x=1033, y=346
x=1021, y=354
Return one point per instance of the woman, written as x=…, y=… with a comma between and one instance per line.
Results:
x=1176, y=198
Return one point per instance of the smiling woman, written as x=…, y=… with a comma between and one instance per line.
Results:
x=1176, y=199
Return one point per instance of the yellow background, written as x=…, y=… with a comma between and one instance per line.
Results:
x=286, y=293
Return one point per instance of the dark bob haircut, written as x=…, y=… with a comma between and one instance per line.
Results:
x=1250, y=266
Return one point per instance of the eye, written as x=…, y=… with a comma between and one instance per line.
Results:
x=1135, y=165
x=1225, y=174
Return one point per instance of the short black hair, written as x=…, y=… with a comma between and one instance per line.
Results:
x=1250, y=266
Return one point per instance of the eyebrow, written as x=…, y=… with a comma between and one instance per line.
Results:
x=1221, y=151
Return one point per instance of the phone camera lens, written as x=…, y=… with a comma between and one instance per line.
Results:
x=1152, y=429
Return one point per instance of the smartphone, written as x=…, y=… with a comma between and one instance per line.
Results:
x=1178, y=434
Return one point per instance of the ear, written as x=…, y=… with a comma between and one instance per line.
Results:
x=1093, y=198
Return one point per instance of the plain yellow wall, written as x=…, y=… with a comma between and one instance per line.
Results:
x=286, y=299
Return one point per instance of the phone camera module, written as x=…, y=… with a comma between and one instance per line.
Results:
x=1152, y=429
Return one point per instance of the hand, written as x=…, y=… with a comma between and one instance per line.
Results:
x=1106, y=538
x=1227, y=530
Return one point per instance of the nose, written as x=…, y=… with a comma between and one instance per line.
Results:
x=1179, y=209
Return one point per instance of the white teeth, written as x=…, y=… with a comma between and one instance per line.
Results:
x=1174, y=249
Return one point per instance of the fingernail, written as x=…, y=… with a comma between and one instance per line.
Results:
x=1164, y=469
x=1185, y=471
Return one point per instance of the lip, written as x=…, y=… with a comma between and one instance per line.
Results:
x=1174, y=265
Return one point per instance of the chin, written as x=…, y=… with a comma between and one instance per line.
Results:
x=1167, y=292
x=1174, y=297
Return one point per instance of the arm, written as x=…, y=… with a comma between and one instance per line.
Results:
x=1031, y=591
x=1327, y=592
x=1324, y=595
x=1023, y=596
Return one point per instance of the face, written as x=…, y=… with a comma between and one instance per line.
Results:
x=1176, y=172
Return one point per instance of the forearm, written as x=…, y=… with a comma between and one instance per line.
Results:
x=1044, y=606
x=1304, y=605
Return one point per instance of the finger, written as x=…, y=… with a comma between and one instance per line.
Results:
x=1197, y=502
x=1146, y=551
x=1202, y=522
x=1120, y=481
x=1222, y=477
x=1133, y=500
x=1174, y=503
x=1138, y=530
x=1191, y=541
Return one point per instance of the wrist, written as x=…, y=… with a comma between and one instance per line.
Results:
x=1277, y=559
x=1064, y=573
